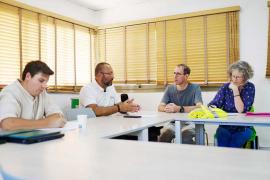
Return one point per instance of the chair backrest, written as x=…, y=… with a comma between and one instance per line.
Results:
x=71, y=114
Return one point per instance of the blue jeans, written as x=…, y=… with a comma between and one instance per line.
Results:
x=233, y=137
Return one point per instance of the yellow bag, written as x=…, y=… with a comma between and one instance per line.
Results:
x=207, y=113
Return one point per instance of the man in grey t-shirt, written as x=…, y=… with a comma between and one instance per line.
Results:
x=180, y=97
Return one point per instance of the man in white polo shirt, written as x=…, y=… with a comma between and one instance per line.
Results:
x=25, y=104
x=100, y=95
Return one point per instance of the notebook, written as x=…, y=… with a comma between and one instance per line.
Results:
x=34, y=136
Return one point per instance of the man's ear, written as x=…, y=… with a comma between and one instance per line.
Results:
x=28, y=76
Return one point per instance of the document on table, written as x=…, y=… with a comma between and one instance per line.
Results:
x=70, y=125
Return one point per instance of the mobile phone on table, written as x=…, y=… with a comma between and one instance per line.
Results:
x=132, y=116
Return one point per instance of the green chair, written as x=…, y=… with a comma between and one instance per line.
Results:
x=253, y=142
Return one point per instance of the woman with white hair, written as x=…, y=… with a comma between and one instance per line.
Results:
x=237, y=96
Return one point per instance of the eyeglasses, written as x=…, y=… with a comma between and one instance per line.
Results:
x=237, y=77
x=110, y=73
x=178, y=73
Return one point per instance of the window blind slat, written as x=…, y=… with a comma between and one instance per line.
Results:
x=48, y=44
x=65, y=54
x=9, y=44
x=115, y=52
x=195, y=48
x=216, y=48
x=174, y=46
x=136, y=53
x=83, y=56
x=30, y=37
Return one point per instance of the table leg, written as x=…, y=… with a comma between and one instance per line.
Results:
x=199, y=134
x=178, y=135
x=143, y=135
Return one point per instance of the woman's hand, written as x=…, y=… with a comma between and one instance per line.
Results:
x=233, y=86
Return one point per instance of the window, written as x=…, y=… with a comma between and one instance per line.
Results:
x=68, y=48
x=147, y=52
x=9, y=44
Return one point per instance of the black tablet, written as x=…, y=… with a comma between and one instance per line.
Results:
x=33, y=137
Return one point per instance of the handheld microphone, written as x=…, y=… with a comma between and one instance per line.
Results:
x=124, y=97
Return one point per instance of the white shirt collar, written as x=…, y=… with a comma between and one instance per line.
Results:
x=18, y=82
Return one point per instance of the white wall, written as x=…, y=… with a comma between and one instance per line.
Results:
x=65, y=8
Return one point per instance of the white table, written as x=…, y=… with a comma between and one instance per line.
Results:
x=78, y=156
x=232, y=119
x=116, y=125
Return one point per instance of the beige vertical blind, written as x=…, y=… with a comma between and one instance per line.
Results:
x=136, y=38
x=207, y=43
x=152, y=64
x=30, y=37
x=93, y=50
x=115, y=52
x=65, y=53
x=101, y=45
x=9, y=44
x=83, y=55
x=216, y=48
x=195, y=48
x=161, y=53
x=66, y=47
x=174, y=46
x=47, y=46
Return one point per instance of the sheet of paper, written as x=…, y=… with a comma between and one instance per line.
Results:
x=70, y=125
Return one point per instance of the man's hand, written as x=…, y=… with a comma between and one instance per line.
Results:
x=171, y=108
x=129, y=106
x=55, y=121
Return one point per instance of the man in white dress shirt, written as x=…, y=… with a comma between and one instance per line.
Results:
x=100, y=95
x=25, y=104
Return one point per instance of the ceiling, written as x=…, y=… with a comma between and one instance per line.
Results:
x=97, y=5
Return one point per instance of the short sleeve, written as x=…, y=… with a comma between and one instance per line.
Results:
x=116, y=96
x=166, y=98
x=198, y=95
x=87, y=96
x=9, y=106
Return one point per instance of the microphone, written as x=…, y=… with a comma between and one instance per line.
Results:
x=124, y=97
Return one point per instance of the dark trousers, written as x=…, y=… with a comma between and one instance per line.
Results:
x=153, y=133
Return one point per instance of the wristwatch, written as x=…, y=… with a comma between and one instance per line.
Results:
x=181, y=110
